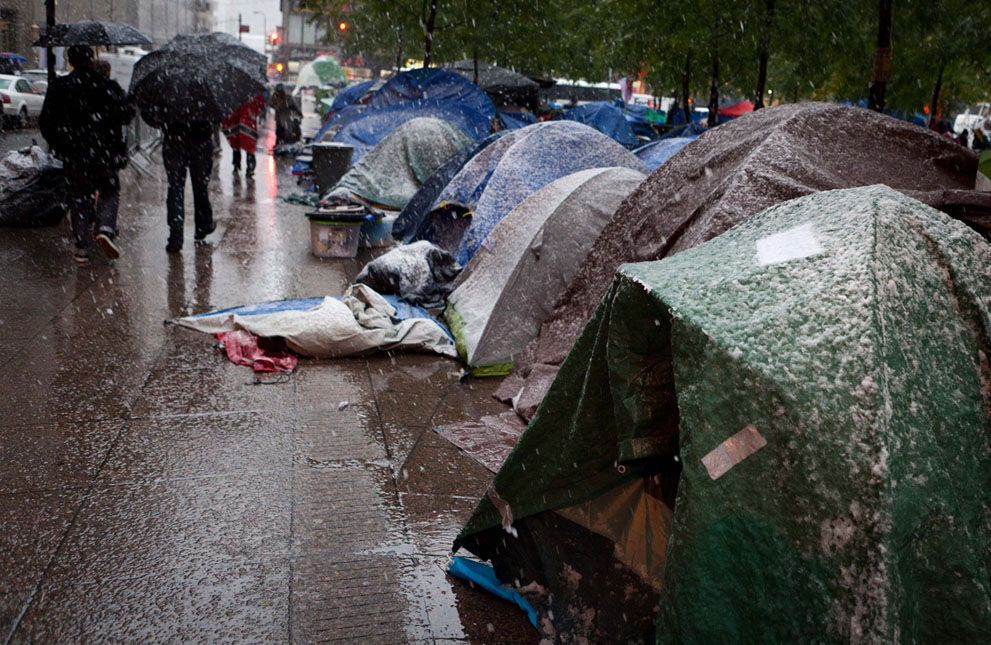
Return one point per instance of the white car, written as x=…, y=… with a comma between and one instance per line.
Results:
x=21, y=100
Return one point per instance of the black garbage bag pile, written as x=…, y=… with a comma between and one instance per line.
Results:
x=32, y=188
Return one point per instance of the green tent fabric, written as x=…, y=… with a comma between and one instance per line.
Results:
x=320, y=72
x=391, y=173
x=819, y=375
x=985, y=163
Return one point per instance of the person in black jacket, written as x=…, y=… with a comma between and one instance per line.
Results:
x=82, y=119
x=188, y=146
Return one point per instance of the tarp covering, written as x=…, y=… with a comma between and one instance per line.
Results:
x=811, y=392
x=420, y=273
x=736, y=109
x=32, y=188
x=607, y=119
x=320, y=72
x=364, y=126
x=504, y=86
x=360, y=322
x=527, y=261
x=741, y=168
x=433, y=84
x=395, y=169
x=411, y=218
x=350, y=95
x=655, y=153
x=511, y=169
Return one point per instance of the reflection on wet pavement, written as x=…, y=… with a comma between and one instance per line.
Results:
x=150, y=491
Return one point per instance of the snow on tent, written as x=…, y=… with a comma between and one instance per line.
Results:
x=527, y=261
x=655, y=153
x=360, y=322
x=505, y=87
x=508, y=171
x=394, y=170
x=351, y=95
x=418, y=93
x=780, y=435
x=741, y=168
x=607, y=119
x=411, y=218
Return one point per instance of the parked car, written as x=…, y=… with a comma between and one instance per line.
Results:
x=21, y=100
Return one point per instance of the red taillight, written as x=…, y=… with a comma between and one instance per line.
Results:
x=6, y=98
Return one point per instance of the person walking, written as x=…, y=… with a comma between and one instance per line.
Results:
x=286, y=114
x=188, y=148
x=241, y=130
x=82, y=119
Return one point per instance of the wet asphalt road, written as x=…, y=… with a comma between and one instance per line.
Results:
x=149, y=491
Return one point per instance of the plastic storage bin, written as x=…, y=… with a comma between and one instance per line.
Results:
x=334, y=233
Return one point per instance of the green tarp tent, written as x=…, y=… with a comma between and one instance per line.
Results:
x=391, y=173
x=808, y=396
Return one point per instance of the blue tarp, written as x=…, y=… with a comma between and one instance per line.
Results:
x=484, y=576
x=434, y=84
x=350, y=95
x=365, y=126
x=408, y=226
x=607, y=119
x=510, y=170
x=657, y=152
x=516, y=120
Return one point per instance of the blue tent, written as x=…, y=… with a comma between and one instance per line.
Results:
x=511, y=169
x=408, y=226
x=364, y=126
x=607, y=119
x=516, y=120
x=350, y=95
x=433, y=84
x=657, y=152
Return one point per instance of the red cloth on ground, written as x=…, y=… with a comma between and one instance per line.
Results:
x=243, y=348
x=241, y=127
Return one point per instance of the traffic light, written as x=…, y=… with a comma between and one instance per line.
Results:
x=279, y=67
x=274, y=38
x=342, y=25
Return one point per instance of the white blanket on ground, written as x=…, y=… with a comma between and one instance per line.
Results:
x=360, y=322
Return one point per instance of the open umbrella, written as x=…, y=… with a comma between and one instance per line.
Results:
x=92, y=33
x=197, y=78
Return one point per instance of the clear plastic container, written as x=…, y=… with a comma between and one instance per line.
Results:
x=330, y=239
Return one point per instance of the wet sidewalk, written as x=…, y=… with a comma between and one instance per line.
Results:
x=150, y=490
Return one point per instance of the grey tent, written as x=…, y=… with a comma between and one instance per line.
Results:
x=391, y=173
x=505, y=87
x=528, y=259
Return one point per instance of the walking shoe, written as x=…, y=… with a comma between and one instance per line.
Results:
x=111, y=250
x=174, y=246
x=201, y=235
x=81, y=256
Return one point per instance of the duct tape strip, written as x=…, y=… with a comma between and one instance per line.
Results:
x=729, y=453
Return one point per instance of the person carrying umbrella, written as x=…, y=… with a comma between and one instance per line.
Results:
x=241, y=130
x=186, y=88
x=82, y=119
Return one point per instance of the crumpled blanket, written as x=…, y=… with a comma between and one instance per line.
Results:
x=243, y=348
x=361, y=321
x=420, y=273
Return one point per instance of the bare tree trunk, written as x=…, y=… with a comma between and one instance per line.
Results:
x=714, y=89
x=685, y=91
x=475, y=59
x=882, y=57
x=934, y=103
x=765, y=53
x=428, y=33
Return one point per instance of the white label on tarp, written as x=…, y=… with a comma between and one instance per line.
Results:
x=793, y=244
x=729, y=453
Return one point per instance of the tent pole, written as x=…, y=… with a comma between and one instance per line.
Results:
x=49, y=51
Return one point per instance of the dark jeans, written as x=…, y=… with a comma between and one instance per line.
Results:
x=196, y=156
x=82, y=186
x=250, y=165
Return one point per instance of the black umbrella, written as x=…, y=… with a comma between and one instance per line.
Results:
x=92, y=33
x=197, y=78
